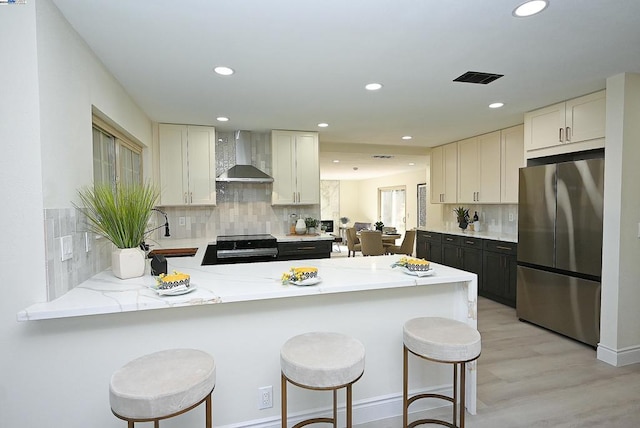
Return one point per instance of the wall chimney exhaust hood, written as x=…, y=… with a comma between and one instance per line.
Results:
x=243, y=171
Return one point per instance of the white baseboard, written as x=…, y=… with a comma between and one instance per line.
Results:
x=364, y=411
x=620, y=357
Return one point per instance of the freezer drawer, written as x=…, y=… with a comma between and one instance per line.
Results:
x=561, y=303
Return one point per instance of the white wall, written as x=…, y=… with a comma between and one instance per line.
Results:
x=53, y=373
x=620, y=319
x=71, y=80
x=359, y=198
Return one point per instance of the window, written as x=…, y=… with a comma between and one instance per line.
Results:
x=116, y=159
x=392, y=207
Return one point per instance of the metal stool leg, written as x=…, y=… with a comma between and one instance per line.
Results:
x=283, y=398
x=462, y=394
x=349, y=405
x=405, y=388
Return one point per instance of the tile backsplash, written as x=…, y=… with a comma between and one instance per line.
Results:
x=498, y=218
x=241, y=208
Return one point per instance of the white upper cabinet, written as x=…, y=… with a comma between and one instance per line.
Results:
x=574, y=125
x=187, y=165
x=512, y=159
x=479, y=169
x=444, y=174
x=296, y=168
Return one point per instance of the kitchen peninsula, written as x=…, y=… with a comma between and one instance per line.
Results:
x=242, y=314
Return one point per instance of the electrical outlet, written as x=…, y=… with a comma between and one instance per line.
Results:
x=510, y=216
x=265, y=397
x=87, y=242
x=66, y=247
x=181, y=221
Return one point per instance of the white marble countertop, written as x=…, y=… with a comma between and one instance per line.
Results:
x=498, y=236
x=105, y=294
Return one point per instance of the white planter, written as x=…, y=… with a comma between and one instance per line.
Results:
x=127, y=262
x=301, y=227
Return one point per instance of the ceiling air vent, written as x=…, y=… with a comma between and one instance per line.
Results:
x=382, y=156
x=477, y=77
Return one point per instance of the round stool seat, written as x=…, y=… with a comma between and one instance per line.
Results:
x=322, y=360
x=442, y=339
x=162, y=384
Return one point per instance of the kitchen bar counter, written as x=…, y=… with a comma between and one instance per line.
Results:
x=242, y=314
x=497, y=236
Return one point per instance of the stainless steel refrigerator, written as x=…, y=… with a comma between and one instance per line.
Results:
x=560, y=247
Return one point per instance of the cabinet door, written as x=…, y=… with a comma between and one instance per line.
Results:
x=512, y=154
x=421, y=245
x=494, y=275
x=488, y=187
x=585, y=117
x=434, y=252
x=451, y=173
x=282, y=153
x=542, y=128
x=202, y=165
x=307, y=172
x=468, y=170
x=451, y=256
x=472, y=261
x=173, y=164
x=437, y=175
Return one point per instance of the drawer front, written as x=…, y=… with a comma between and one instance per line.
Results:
x=501, y=247
x=304, y=247
x=452, y=239
x=471, y=242
x=430, y=236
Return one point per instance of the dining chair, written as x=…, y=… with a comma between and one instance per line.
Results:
x=407, y=244
x=371, y=241
x=353, y=243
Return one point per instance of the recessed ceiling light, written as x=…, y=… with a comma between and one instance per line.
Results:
x=323, y=125
x=496, y=105
x=412, y=163
x=336, y=161
x=373, y=86
x=407, y=137
x=222, y=119
x=224, y=71
x=530, y=8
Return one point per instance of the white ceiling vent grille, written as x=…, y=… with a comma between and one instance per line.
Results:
x=382, y=156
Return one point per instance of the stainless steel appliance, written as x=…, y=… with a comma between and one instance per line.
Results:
x=560, y=247
x=241, y=249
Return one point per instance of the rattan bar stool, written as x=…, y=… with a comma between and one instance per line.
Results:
x=445, y=341
x=321, y=361
x=162, y=385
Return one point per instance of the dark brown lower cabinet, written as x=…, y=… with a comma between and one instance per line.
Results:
x=301, y=250
x=493, y=261
x=499, y=272
x=463, y=253
x=429, y=246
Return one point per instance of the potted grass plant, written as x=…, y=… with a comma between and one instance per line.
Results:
x=121, y=216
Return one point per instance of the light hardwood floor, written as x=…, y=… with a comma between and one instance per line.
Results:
x=530, y=377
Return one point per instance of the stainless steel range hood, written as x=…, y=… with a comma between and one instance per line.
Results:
x=243, y=171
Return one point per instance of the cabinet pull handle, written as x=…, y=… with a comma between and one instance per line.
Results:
x=449, y=239
x=567, y=133
x=560, y=138
x=470, y=242
x=306, y=248
x=477, y=196
x=500, y=247
x=294, y=197
x=190, y=197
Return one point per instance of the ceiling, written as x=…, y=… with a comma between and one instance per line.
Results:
x=298, y=63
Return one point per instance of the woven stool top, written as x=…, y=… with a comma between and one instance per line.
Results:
x=442, y=339
x=322, y=359
x=161, y=384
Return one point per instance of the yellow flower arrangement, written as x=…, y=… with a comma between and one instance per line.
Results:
x=299, y=274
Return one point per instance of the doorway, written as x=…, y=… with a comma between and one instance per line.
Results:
x=392, y=207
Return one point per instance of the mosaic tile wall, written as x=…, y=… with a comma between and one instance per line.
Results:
x=62, y=276
x=242, y=208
